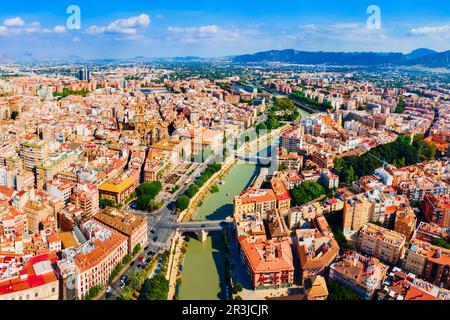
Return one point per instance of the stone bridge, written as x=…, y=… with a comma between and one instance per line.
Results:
x=201, y=228
x=264, y=161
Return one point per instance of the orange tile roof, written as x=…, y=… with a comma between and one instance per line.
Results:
x=268, y=255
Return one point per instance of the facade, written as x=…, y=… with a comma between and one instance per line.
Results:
x=428, y=261
x=292, y=140
x=13, y=223
x=329, y=179
x=269, y=262
x=92, y=263
x=129, y=225
x=85, y=196
x=357, y=212
x=33, y=153
x=282, y=195
x=436, y=208
x=405, y=222
x=361, y=274
x=387, y=245
x=118, y=192
x=34, y=279
x=255, y=200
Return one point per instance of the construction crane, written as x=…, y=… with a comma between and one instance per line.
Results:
x=383, y=161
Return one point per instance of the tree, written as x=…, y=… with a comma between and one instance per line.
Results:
x=146, y=193
x=182, y=203
x=429, y=152
x=192, y=190
x=404, y=139
x=143, y=202
x=350, y=175
x=339, y=164
x=103, y=203
x=14, y=115
x=149, y=188
x=136, y=249
x=135, y=279
x=441, y=243
x=261, y=127
x=157, y=288
x=338, y=292
x=306, y=192
x=400, y=106
x=282, y=166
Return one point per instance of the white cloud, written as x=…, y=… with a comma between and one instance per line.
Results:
x=127, y=26
x=59, y=29
x=14, y=22
x=3, y=30
x=76, y=40
x=208, y=33
x=444, y=29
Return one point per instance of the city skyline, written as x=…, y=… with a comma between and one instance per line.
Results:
x=212, y=29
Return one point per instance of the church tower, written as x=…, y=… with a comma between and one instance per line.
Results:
x=139, y=117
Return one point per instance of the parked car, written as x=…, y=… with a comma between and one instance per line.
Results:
x=108, y=290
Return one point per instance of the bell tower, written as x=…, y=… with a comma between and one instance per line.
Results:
x=139, y=117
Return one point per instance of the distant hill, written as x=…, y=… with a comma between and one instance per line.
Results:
x=435, y=60
x=419, y=53
x=423, y=56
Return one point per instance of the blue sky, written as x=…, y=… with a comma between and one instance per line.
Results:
x=156, y=28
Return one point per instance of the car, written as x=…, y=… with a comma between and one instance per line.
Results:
x=203, y=226
x=123, y=278
x=132, y=263
x=122, y=285
x=142, y=259
x=155, y=238
x=108, y=290
x=152, y=231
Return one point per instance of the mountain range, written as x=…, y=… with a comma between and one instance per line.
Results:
x=423, y=57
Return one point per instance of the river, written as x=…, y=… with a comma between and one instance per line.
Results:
x=204, y=265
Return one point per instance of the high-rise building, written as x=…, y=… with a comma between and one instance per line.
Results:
x=84, y=74
x=385, y=244
x=357, y=212
x=292, y=140
x=428, y=261
x=436, y=208
x=33, y=153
